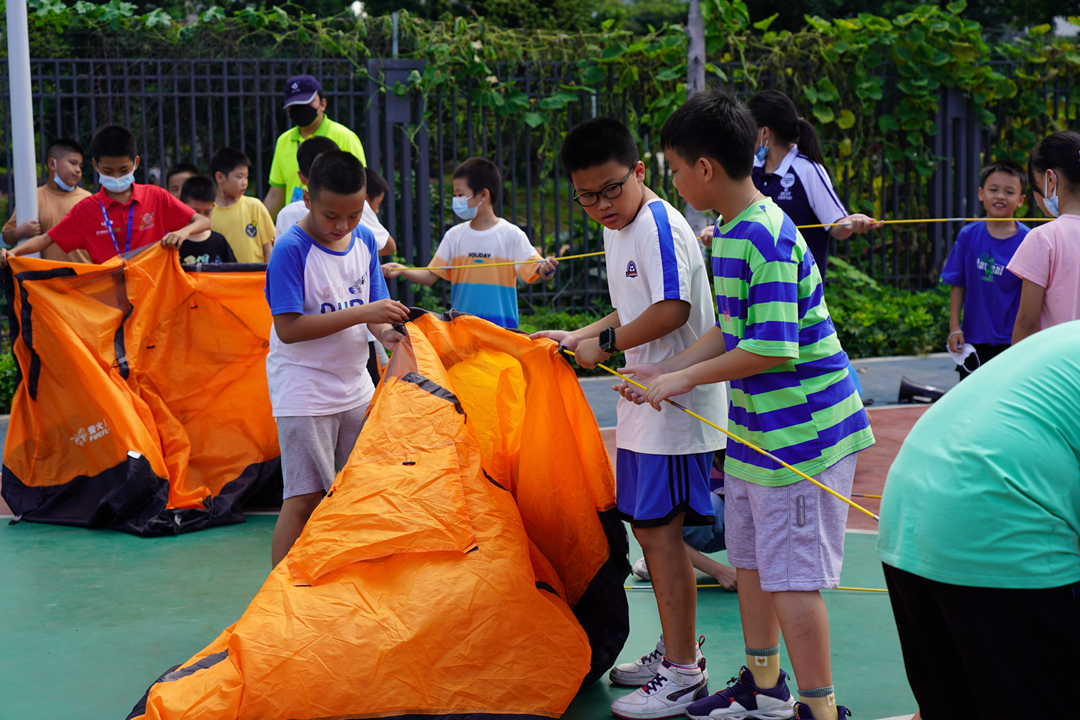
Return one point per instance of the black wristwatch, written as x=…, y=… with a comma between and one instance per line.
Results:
x=607, y=340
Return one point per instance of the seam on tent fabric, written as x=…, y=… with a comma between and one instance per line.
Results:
x=26, y=324
x=434, y=388
x=206, y=662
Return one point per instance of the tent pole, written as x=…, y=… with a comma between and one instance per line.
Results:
x=22, y=111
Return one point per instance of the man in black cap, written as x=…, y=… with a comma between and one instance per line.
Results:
x=306, y=105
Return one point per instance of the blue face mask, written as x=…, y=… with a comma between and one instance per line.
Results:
x=460, y=206
x=116, y=184
x=762, y=152
x=1051, y=202
x=63, y=185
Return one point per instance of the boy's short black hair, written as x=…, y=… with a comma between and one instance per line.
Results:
x=62, y=146
x=179, y=168
x=311, y=149
x=376, y=183
x=1005, y=166
x=113, y=141
x=713, y=124
x=598, y=141
x=226, y=160
x=480, y=174
x=198, y=187
x=336, y=171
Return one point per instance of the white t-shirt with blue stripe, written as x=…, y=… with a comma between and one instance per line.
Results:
x=657, y=257
x=327, y=375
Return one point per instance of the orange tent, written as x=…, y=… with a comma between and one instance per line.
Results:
x=467, y=561
x=142, y=404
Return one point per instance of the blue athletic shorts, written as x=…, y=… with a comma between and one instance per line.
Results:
x=653, y=489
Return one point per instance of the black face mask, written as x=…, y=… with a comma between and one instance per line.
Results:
x=303, y=115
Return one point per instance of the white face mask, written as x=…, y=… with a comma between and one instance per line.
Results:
x=1051, y=202
x=460, y=206
x=60, y=183
x=116, y=184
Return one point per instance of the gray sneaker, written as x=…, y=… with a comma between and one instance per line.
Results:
x=644, y=669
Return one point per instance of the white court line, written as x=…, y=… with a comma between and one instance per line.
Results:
x=933, y=356
x=857, y=531
x=899, y=717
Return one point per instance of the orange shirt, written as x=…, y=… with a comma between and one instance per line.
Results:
x=53, y=205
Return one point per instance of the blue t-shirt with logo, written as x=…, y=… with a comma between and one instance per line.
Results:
x=977, y=263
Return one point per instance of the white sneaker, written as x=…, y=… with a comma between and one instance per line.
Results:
x=642, y=670
x=642, y=570
x=667, y=695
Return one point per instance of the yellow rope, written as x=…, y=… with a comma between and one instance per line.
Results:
x=797, y=227
x=857, y=589
x=747, y=443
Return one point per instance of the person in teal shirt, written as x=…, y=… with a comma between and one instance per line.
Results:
x=980, y=536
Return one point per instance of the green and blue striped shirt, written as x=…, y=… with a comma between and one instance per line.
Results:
x=770, y=299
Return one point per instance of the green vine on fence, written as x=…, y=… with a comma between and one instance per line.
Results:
x=835, y=70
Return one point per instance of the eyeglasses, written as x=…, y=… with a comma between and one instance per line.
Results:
x=611, y=192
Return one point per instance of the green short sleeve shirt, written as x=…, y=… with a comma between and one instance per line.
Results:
x=284, y=167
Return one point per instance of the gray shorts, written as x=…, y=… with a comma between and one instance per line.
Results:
x=792, y=548
x=314, y=448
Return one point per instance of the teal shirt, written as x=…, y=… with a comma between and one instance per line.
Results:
x=986, y=489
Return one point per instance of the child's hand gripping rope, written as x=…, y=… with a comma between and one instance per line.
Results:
x=660, y=394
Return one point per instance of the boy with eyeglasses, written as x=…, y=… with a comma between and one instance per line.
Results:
x=485, y=240
x=660, y=288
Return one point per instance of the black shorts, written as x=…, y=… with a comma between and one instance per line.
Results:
x=976, y=653
x=986, y=353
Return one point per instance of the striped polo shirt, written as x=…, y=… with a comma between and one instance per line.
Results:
x=487, y=292
x=806, y=410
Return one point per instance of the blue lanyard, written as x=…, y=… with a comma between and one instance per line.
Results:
x=109, y=225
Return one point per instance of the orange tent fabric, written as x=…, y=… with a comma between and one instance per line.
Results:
x=467, y=561
x=142, y=404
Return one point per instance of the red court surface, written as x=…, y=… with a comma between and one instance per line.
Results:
x=891, y=425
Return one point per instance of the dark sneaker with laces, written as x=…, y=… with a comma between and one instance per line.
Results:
x=666, y=695
x=743, y=700
x=802, y=712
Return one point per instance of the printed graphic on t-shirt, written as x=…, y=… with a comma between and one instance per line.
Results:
x=146, y=221
x=786, y=182
x=250, y=230
x=631, y=269
x=340, y=294
x=988, y=267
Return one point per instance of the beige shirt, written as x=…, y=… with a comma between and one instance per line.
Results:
x=53, y=205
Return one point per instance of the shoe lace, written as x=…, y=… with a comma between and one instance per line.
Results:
x=735, y=689
x=652, y=657
x=655, y=684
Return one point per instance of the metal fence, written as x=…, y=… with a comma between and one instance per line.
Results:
x=184, y=110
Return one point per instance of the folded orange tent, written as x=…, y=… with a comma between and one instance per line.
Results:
x=466, y=563
x=142, y=403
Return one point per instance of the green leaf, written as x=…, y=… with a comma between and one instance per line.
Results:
x=671, y=73
x=49, y=7
x=534, y=119
x=158, y=18
x=614, y=51
x=517, y=98
x=594, y=75
x=810, y=93
x=215, y=14
x=826, y=91
x=763, y=25
x=887, y=123
x=1039, y=29
x=824, y=114
x=956, y=7
x=846, y=120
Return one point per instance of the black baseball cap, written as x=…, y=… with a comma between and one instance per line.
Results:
x=301, y=90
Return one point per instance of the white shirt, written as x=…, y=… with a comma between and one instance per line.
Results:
x=327, y=375
x=294, y=213
x=654, y=258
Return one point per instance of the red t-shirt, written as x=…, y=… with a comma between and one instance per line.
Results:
x=153, y=211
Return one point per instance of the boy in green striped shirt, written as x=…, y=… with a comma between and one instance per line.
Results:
x=791, y=394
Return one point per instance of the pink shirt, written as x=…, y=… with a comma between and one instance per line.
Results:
x=1050, y=257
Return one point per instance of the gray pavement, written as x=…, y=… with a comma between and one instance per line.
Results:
x=880, y=379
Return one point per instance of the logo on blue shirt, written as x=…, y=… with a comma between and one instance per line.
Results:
x=631, y=269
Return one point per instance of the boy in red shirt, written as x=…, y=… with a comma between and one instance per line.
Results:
x=122, y=216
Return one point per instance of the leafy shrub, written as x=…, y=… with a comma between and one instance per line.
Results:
x=546, y=319
x=875, y=320
x=8, y=376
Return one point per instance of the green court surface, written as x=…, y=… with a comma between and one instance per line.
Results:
x=93, y=617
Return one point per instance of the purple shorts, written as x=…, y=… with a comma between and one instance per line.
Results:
x=792, y=535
